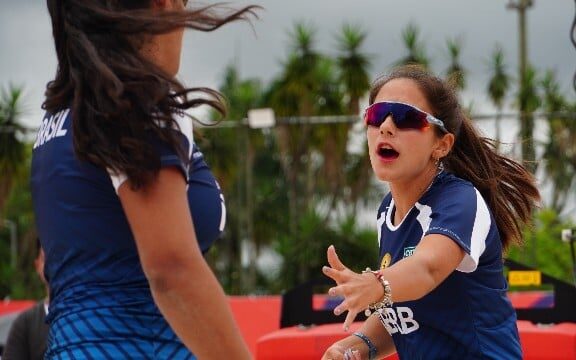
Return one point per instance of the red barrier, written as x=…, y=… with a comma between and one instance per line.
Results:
x=297, y=343
x=10, y=306
x=548, y=342
x=256, y=316
x=553, y=342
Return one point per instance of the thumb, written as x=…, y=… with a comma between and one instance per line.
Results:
x=333, y=259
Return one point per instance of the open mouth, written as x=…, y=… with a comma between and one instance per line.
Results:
x=387, y=153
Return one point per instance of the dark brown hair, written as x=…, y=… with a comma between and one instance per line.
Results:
x=508, y=188
x=117, y=96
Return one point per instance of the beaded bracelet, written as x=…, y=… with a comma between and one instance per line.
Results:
x=387, y=300
x=372, y=351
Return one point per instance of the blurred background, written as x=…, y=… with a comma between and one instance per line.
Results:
x=303, y=182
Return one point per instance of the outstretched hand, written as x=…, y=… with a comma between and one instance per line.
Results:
x=358, y=290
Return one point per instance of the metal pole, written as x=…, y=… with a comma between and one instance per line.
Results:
x=526, y=120
x=11, y=225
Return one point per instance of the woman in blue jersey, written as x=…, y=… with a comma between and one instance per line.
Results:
x=124, y=202
x=454, y=206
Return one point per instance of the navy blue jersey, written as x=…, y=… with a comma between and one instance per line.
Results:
x=468, y=316
x=101, y=306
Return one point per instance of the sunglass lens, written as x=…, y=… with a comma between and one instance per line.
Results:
x=411, y=119
x=404, y=116
x=377, y=114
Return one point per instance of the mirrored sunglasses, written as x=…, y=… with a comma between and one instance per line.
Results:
x=404, y=116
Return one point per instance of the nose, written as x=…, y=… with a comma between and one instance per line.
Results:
x=388, y=127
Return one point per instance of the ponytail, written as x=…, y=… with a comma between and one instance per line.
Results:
x=506, y=186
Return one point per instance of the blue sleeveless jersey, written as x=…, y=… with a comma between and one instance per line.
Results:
x=468, y=316
x=101, y=306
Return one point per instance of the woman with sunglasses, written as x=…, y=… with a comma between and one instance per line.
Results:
x=454, y=206
x=124, y=201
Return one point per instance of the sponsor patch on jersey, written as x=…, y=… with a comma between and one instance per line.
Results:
x=386, y=260
x=408, y=251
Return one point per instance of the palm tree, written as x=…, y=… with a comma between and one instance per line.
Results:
x=296, y=93
x=12, y=148
x=353, y=65
x=498, y=86
x=455, y=72
x=528, y=103
x=416, y=51
x=230, y=153
x=560, y=150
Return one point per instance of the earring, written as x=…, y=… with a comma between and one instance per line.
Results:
x=439, y=164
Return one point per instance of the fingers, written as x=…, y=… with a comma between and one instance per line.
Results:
x=351, y=354
x=333, y=259
x=350, y=317
x=334, y=352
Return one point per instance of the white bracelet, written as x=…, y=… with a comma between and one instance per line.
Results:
x=387, y=300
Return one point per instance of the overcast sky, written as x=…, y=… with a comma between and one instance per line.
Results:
x=27, y=56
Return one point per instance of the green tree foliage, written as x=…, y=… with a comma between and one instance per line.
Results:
x=297, y=174
x=528, y=103
x=22, y=281
x=353, y=65
x=416, y=51
x=498, y=86
x=307, y=253
x=455, y=74
x=12, y=150
x=232, y=168
x=553, y=255
x=560, y=149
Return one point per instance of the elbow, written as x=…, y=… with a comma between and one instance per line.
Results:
x=168, y=273
x=426, y=278
x=432, y=277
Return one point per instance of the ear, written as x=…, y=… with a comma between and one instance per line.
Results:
x=443, y=146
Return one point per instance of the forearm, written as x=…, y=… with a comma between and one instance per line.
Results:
x=198, y=312
x=434, y=259
x=409, y=280
x=376, y=333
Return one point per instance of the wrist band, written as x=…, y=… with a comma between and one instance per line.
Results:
x=372, y=351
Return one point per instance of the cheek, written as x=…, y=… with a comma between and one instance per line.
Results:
x=372, y=137
x=416, y=146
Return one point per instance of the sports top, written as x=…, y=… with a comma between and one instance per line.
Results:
x=468, y=316
x=101, y=305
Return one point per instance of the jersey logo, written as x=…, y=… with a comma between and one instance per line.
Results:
x=51, y=127
x=399, y=320
x=409, y=251
x=386, y=260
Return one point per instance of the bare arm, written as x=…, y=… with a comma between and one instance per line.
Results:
x=182, y=284
x=436, y=257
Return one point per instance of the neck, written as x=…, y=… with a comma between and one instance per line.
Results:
x=407, y=193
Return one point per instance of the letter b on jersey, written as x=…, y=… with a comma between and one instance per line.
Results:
x=399, y=320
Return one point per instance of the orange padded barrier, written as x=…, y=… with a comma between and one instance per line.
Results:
x=297, y=343
x=548, y=342
x=256, y=316
x=538, y=342
x=10, y=306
